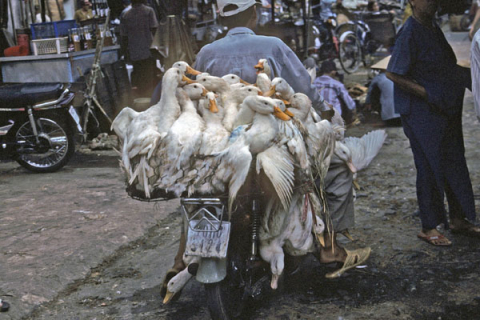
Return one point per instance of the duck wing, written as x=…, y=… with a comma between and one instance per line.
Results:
x=122, y=120
x=366, y=148
x=278, y=165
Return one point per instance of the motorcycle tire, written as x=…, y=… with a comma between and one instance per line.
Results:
x=224, y=300
x=56, y=147
x=350, y=54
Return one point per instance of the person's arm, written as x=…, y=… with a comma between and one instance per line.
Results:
x=346, y=98
x=153, y=22
x=408, y=85
x=475, y=20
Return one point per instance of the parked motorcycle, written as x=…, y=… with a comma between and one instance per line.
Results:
x=37, y=125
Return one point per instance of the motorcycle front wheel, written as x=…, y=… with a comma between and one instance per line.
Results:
x=55, y=146
x=350, y=53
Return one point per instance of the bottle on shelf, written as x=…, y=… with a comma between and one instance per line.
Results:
x=88, y=38
x=70, y=43
x=94, y=8
x=76, y=39
x=83, y=42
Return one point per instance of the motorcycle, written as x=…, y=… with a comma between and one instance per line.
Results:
x=223, y=250
x=37, y=125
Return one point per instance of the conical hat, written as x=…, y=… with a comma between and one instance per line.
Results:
x=382, y=64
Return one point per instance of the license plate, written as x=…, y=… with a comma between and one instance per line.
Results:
x=207, y=243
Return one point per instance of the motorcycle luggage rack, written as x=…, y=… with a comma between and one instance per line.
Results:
x=206, y=218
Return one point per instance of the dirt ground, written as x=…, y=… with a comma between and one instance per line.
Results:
x=74, y=246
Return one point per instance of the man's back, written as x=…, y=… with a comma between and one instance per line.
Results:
x=137, y=24
x=240, y=51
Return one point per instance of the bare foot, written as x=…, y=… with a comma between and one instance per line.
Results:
x=463, y=226
x=434, y=237
x=327, y=255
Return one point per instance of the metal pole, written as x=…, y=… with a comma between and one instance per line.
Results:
x=13, y=22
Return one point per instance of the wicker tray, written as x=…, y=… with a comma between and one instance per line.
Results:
x=49, y=46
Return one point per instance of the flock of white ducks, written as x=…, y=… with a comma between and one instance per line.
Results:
x=204, y=137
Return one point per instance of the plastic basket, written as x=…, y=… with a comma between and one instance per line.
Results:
x=49, y=46
x=53, y=29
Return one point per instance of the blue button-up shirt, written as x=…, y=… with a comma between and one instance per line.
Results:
x=381, y=89
x=334, y=92
x=239, y=51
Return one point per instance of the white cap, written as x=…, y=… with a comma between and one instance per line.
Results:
x=241, y=5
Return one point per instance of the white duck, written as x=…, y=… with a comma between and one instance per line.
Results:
x=123, y=119
x=261, y=135
x=291, y=230
x=143, y=132
x=183, y=139
x=180, y=279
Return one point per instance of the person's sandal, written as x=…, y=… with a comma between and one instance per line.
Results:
x=4, y=306
x=438, y=240
x=354, y=259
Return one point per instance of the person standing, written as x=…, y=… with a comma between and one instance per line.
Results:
x=476, y=21
x=137, y=27
x=428, y=92
x=85, y=12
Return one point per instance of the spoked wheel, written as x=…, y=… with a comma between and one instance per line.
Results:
x=350, y=53
x=55, y=147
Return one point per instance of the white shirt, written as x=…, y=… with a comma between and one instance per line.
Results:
x=475, y=69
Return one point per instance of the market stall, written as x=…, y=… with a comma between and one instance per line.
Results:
x=63, y=67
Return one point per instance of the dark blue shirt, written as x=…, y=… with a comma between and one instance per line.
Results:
x=424, y=55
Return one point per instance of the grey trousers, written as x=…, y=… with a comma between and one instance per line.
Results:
x=338, y=187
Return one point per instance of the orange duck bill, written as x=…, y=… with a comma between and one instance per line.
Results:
x=213, y=106
x=188, y=80
x=288, y=113
x=192, y=71
x=270, y=92
x=280, y=114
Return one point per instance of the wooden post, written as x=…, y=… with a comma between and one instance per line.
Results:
x=90, y=96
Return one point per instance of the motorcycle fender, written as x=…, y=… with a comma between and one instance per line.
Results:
x=76, y=118
x=344, y=35
x=211, y=270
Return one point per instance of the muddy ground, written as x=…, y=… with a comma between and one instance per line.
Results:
x=74, y=246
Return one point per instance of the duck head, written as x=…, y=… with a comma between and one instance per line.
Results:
x=239, y=94
x=185, y=67
x=265, y=105
x=263, y=67
x=195, y=91
x=214, y=84
x=345, y=155
x=300, y=106
x=234, y=79
x=212, y=102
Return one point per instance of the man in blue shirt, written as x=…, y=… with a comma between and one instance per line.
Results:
x=239, y=51
x=333, y=91
x=429, y=88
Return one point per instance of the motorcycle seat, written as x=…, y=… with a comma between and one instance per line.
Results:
x=28, y=94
